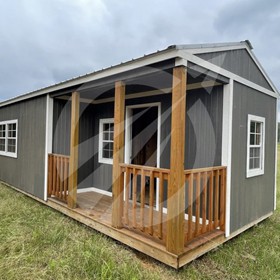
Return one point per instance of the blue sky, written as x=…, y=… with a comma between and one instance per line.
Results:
x=45, y=42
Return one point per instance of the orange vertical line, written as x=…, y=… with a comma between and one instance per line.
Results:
x=204, y=202
x=151, y=203
x=142, y=211
x=216, y=199
x=190, y=202
x=197, y=204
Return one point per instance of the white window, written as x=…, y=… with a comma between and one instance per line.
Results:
x=106, y=141
x=8, y=138
x=255, y=145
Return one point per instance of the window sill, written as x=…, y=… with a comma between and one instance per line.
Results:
x=106, y=161
x=254, y=173
x=11, y=155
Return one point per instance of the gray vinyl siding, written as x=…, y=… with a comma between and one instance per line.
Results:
x=238, y=62
x=251, y=198
x=27, y=171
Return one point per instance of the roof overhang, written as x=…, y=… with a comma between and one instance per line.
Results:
x=183, y=54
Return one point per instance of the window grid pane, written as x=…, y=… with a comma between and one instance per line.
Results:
x=8, y=137
x=2, y=131
x=255, y=145
x=107, y=140
x=2, y=145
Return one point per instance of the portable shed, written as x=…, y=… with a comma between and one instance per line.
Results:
x=172, y=153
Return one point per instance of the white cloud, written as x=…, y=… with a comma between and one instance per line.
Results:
x=44, y=42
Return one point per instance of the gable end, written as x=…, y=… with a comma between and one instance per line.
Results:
x=238, y=62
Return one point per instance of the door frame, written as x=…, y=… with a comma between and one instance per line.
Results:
x=128, y=136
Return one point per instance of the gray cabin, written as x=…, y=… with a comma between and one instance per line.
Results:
x=171, y=154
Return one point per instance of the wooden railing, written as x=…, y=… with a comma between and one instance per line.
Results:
x=205, y=200
x=146, y=195
x=58, y=173
x=140, y=209
x=205, y=191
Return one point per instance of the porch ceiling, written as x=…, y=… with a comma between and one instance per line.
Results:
x=156, y=79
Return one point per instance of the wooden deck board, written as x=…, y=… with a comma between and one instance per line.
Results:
x=95, y=207
x=98, y=206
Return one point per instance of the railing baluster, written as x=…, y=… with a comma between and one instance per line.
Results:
x=54, y=176
x=151, y=203
x=160, y=235
x=216, y=199
x=210, y=199
x=197, y=204
x=204, y=202
x=134, y=197
x=60, y=170
x=126, y=202
x=57, y=177
x=190, y=202
x=50, y=163
x=64, y=179
x=222, y=200
x=143, y=196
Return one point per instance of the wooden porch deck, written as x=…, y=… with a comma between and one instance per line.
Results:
x=95, y=210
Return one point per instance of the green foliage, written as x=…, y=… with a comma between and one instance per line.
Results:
x=37, y=242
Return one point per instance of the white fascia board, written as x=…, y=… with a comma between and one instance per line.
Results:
x=181, y=62
x=217, y=69
x=128, y=66
x=252, y=55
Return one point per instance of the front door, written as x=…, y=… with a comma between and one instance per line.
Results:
x=142, y=140
x=144, y=136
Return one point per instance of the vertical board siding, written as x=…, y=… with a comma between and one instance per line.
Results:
x=102, y=173
x=61, y=127
x=238, y=62
x=204, y=127
x=251, y=198
x=61, y=137
x=27, y=171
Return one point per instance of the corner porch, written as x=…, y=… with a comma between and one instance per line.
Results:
x=173, y=214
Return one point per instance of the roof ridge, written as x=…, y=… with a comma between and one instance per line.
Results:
x=211, y=45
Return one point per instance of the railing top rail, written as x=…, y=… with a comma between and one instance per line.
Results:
x=167, y=171
x=59, y=155
x=207, y=169
x=148, y=168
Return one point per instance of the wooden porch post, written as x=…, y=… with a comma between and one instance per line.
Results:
x=74, y=145
x=176, y=188
x=118, y=157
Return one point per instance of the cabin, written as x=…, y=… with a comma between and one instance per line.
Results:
x=172, y=154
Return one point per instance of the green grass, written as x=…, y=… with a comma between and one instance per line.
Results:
x=37, y=242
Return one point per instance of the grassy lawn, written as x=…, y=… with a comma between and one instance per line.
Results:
x=37, y=242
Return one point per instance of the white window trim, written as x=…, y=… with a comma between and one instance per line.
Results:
x=6, y=153
x=260, y=171
x=100, y=157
